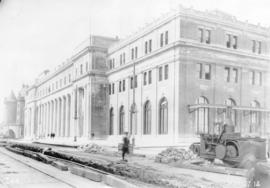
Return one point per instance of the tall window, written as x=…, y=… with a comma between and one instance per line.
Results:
x=255, y=118
x=163, y=116
x=202, y=116
x=120, y=86
x=166, y=72
x=121, y=120
x=160, y=74
x=147, y=118
x=136, y=52
x=145, y=47
x=199, y=70
x=232, y=113
x=124, y=85
x=228, y=40
x=166, y=37
x=208, y=37
x=113, y=88
x=150, y=45
x=149, y=77
x=253, y=46
x=144, y=78
x=207, y=72
x=132, y=53
x=231, y=41
x=201, y=35
x=111, y=122
x=161, y=40
x=227, y=74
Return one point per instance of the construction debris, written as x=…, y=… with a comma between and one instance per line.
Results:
x=171, y=155
x=91, y=148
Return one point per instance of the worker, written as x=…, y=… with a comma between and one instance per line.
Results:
x=125, y=147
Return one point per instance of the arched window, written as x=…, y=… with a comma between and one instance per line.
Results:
x=121, y=120
x=133, y=119
x=255, y=117
x=163, y=116
x=147, y=118
x=202, y=116
x=232, y=113
x=111, y=122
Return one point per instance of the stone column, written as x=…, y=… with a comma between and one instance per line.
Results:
x=55, y=116
x=63, y=117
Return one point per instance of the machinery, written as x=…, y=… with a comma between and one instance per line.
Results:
x=231, y=147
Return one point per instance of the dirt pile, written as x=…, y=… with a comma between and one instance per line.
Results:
x=171, y=155
x=91, y=148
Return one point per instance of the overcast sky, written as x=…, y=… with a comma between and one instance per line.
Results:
x=40, y=34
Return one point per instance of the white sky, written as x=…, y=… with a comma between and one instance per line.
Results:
x=40, y=34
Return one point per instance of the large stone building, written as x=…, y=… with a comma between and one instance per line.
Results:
x=165, y=84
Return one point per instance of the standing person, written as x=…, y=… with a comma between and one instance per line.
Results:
x=125, y=146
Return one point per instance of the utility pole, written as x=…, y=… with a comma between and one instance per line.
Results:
x=133, y=110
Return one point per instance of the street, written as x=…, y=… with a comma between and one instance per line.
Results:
x=18, y=171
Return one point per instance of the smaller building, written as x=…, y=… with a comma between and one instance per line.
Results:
x=13, y=124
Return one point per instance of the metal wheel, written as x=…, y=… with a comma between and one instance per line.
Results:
x=231, y=151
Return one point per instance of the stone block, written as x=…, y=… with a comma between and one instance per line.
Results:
x=116, y=182
x=60, y=165
x=92, y=175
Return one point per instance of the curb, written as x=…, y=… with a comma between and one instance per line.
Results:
x=94, y=176
x=116, y=182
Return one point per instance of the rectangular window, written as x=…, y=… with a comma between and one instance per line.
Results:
x=166, y=72
x=144, y=78
x=120, y=86
x=200, y=33
x=124, y=85
x=235, y=42
x=113, y=63
x=124, y=57
x=150, y=45
x=136, y=52
x=113, y=88
x=207, y=72
x=208, y=37
x=149, y=77
x=160, y=74
x=120, y=59
x=166, y=37
x=199, y=70
x=227, y=74
x=253, y=46
x=235, y=75
x=135, y=82
x=132, y=53
x=81, y=69
x=161, y=40
x=145, y=47
x=259, y=47
x=86, y=66
x=228, y=40
x=109, y=89
x=131, y=82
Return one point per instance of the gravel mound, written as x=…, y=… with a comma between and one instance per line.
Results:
x=91, y=148
x=171, y=155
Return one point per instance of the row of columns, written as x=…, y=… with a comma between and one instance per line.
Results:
x=54, y=117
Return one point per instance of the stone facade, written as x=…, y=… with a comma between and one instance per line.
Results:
x=186, y=68
x=71, y=102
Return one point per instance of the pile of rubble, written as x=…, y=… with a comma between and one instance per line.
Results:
x=171, y=155
x=91, y=148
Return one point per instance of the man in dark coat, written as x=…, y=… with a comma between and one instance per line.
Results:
x=125, y=147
